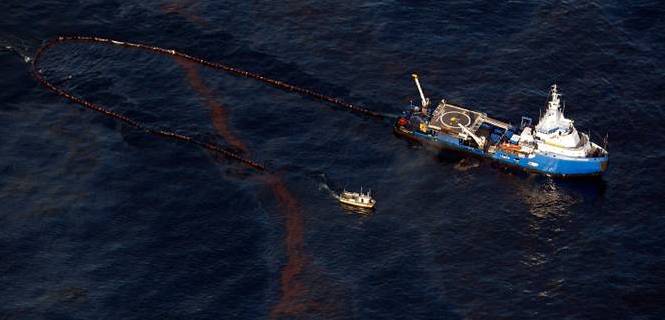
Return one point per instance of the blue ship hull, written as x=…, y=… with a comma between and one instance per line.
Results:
x=540, y=162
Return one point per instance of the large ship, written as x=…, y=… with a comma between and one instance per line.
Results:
x=552, y=147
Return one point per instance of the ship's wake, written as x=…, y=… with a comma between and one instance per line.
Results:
x=325, y=186
x=17, y=46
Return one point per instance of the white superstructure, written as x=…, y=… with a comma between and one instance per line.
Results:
x=556, y=134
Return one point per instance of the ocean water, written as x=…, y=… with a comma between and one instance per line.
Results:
x=101, y=221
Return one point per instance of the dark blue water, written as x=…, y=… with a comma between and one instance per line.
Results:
x=99, y=221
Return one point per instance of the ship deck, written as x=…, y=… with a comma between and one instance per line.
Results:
x=447, y=118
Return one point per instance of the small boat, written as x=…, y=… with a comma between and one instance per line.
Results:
x=362, y=200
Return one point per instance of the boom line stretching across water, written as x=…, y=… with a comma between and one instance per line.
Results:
x=170, y=52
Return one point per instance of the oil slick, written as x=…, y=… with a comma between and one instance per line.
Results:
x=294, y=297
x=218, y=113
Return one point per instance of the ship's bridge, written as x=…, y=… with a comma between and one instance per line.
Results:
x=557, y=134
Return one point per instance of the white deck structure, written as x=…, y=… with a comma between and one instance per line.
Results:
x=556, y=134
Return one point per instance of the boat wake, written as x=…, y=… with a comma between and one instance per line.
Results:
x=17, y=46
x=17, y=51
x=325, y=187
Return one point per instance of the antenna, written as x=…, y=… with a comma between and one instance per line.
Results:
x=605, y=141
x=547, y=102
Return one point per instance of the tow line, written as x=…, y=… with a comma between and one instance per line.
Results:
x=170, y=52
